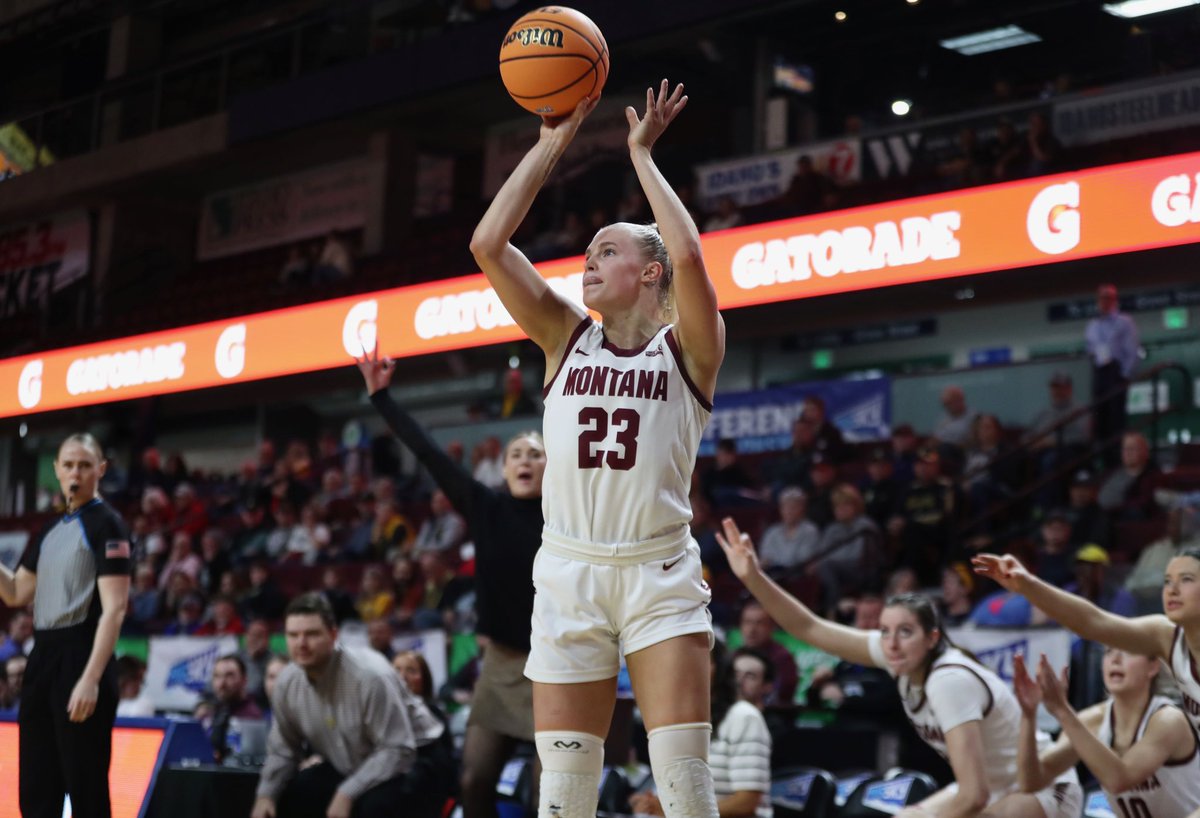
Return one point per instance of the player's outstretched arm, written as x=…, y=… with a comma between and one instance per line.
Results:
x=790, y=613
x=544, y=315
x=698, y=326
x=1075, y=613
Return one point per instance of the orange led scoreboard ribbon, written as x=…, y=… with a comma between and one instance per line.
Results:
x=1094, y=212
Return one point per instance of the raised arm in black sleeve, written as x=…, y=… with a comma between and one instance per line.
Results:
x=459, y=486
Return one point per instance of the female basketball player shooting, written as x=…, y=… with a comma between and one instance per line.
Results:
x=626, y=402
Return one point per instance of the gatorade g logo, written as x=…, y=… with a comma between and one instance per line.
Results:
x=1053, y=221
x=29, y=385
x=231, y=351
x=358, y=332
x=567, y=745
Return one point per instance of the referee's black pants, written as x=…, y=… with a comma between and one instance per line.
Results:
x=58, y=756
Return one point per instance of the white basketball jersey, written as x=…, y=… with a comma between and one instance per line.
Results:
x=621, y=427
x=1183, y=668
x=1171, y=792
x=957, y=690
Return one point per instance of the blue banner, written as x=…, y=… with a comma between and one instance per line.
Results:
x=761, y=421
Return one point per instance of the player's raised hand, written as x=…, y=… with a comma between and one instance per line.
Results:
x=661, y=109
x=376, y=371
x=1007, y=571
x=739, y=549
x=1054, y=687
x=565, y=127
x=1029, y=694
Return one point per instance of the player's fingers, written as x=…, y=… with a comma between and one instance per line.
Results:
x=649, y=101
x=632, y=117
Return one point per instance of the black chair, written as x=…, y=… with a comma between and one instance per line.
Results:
x=803, y=792
x=886, y=796
x=1096, y=804
x=847, y=783
x=614, y=792
x=514, y=790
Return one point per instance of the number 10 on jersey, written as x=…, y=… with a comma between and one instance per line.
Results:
x=621, y=454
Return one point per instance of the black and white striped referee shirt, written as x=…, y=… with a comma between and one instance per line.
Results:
x=69, y=557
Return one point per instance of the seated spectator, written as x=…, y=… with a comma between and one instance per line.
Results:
x=443, y=590
x=1089, y=522
x=990, y=473
x=229, y=700
x=255, y=654
x=829, y=440
x=222, y=619
x=807, y=191
x=190, y=513
x=489, y=468
x=1006, y=609
x=1044, y=150
x=754, y=675
x=281, y=535
x=903, y=580
x=861, y=696
x=298, y=267
x=513, y=400
x=310, y=541
x=263, y=600
x=789, y=543
x=822, y=476
x=188, y=616
x=958, y=584
x=727, y=483
x=924, y=518
x=182, y=561
x=905, y=445
x=408, y=589
x=1056, y=553
x=336, y=595
x=1052, y=448
x=727, y=215
x=250, y=543
x=881, y=489
x=275, y=664
x=17, y=641
x=792, y=466
x=415, y=673
x=957, y=423
x=1010, y=153
x=14, y=678
x=380, y=635
x=335, y=262
x=180, y=587
x=757, y=632
x=1145, y=581
x=1092, y=582
x=134, y=701
x=704, y=532
x=850, y=547
x=391, y=533
x=375, y=601
x=1128, y=491
x=970, y=166
x=444, y=530
x=214, y=559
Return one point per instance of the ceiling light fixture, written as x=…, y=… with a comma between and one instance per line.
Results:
x=1140, y=8
x=993, y=39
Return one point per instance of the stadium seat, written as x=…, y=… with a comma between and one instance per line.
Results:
x=514, y=790
x=1095, y=804
x=803, y=792
x=847, y=783
x=885, y=796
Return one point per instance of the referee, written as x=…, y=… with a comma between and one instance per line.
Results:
x=69, y=699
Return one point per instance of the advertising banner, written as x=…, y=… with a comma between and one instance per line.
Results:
x=753, y=180
x=1083, y=214
x=286, y=209
x=761, y=421
x=996, y=647
x=42, y=257
x=1160, y=106
x=179, y=668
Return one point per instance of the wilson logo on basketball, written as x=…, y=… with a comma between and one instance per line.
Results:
x=549, y=37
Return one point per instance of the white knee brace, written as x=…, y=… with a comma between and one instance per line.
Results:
x=679, y=759
x=572, y=763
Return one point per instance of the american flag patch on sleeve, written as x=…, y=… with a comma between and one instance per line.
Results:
x=116, y=549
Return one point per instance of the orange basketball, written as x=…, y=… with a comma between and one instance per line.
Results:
x=552, y=58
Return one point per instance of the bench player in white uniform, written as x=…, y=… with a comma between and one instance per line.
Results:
x=957, y=706
x=1173, y=637
x=626, y=403
x=1139, y=745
